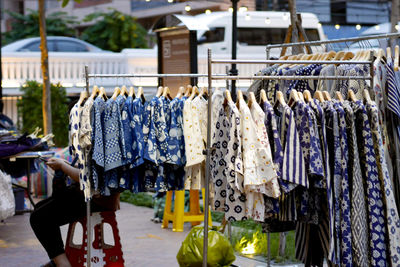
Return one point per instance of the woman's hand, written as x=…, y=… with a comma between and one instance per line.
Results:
x=55, y=163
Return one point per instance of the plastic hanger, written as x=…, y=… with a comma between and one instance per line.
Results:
x=131, y=91
x=103, y=93
x=326, y=95
x=84, y=94
x=366, y=96
x=339, y=96
x=117, y=90
x=124, y=91
x=188, y=91
x=396, y=58
x=252, y=99
x=351, y=95
x=318, y=95
x=181, y=92
x=167, y=93
x=160, y=91
x=195, y=91
x=95, y=91
x=307, y=95
x=263, y=96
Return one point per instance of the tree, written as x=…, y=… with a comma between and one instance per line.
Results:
x=25, y=26
x=114, y=31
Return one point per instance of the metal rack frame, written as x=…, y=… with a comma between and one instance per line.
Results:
x=212, y=77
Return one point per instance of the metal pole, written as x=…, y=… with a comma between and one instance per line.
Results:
x=88, y=212
x=269, y=249
x=208, y=159
x=234, y=70
x=371, y=69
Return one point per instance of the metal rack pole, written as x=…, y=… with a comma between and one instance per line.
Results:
x=88, y=212
x=208, y=161
x=291, y=77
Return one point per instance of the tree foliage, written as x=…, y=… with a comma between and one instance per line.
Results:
x=30, y=110
x=114, y=31
x=25, y=26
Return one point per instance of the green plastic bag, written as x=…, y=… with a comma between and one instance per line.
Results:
x=220, y=251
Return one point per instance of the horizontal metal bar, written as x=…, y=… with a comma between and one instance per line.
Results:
x=146, y=75
x=241, y=61
x=290, y=77
x=341, y=40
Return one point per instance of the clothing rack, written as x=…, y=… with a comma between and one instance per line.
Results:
x=212, y=77
x=340, y=40
x=87, y=77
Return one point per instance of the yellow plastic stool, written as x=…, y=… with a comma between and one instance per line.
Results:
x=179, y=216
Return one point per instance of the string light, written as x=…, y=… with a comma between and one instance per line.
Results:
x=337, y=26
x=247, y=17
x=377, y=27
x=230, y=9
x=187, y=8
x=397, y=27
x=147, y=0
x=285, y=16
x=267, y=21
x=170, y=1
x=358, y=27
x=243, y=9
x=208, y=12
x=319, y=25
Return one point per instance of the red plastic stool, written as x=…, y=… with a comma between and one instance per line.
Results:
x=101, y=254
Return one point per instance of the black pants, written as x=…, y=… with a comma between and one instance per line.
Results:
x=51, y=213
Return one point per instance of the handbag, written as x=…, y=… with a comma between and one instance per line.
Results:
x=60, y=181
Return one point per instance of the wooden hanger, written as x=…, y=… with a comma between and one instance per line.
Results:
x=366, y=96
x=252, y=99
x=95, y=91
x=239, y=97
x=188, y=91
x=181, y=92
x=263, y=96
x=84, y=94
x=131, y=91
x=351, y=95
x=396, y=58
x=318, y=95
x=124, y=91
x=203, y=91
x=140, y=93
x=284, y=57
x=293, y=98
x=167, y=93
x=117, y=90
x=339, y=55
x=348, y=56
x=228, y=96
x=103, y=93
x=301, y=97
x=331, y=55
x=326, y=95
x=279, y=99
x=380, y=54
x=388, y=52
x=339, y=96
x=160, y=91
x=307, y=95
x=195, y=91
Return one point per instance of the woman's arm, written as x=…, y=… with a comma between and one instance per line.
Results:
x=59, y=164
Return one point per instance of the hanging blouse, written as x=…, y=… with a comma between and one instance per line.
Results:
x=356, y=85
x=137, y=111
x=149, y=132
x=127, y=123
x=227, y=164
x=176, y=142
x=392, y=216
x=377, y=229
x=324, y=84
x=359, y=224
x=85, y=141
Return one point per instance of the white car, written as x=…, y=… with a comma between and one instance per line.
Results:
x=54, y=44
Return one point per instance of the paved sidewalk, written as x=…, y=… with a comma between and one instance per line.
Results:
x=144, y=243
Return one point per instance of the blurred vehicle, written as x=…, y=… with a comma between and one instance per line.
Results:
x=375, y=44
x=54, y=44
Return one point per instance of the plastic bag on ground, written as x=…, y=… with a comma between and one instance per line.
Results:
x=220, y=251
x=7, y=201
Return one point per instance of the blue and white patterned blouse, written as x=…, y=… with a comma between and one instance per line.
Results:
x=176, y=142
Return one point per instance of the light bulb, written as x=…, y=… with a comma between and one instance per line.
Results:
x=247, y=17
x=230, y=9
x=358, y=27
x=187, y=8
x=170, y=1
x=267, y=21
x=337, y=26
x=147, y=0
x=319, y=25
x=397, y=27
x=377, y=27
x=243, y=9
x=285, y=16
x=208, y=12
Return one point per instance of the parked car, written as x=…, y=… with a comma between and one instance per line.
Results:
x=54, y=44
